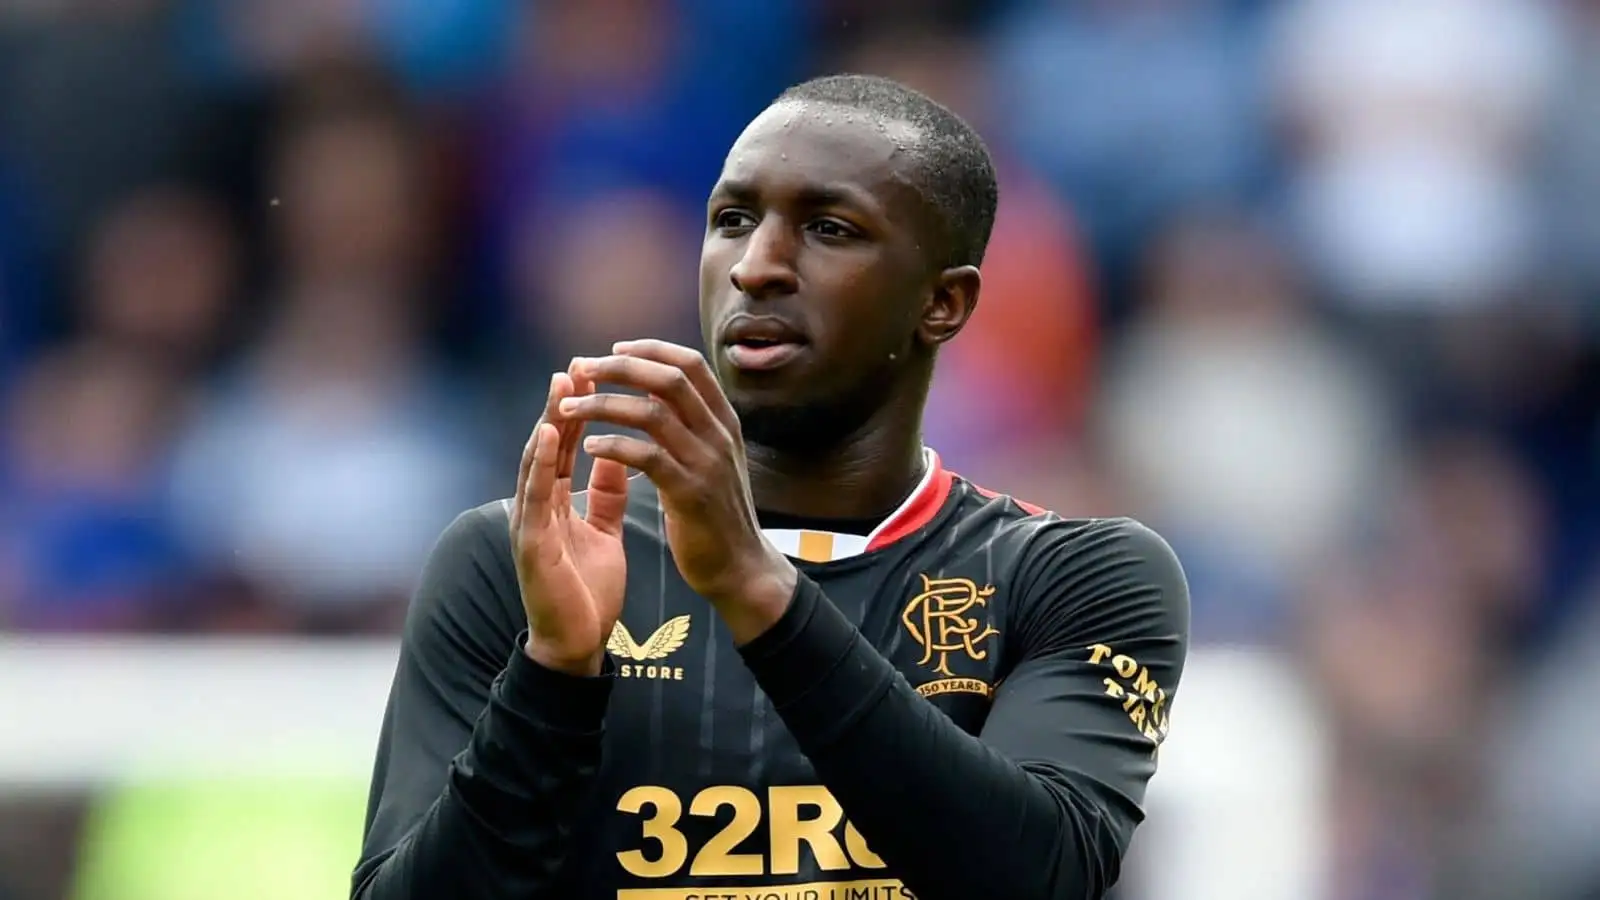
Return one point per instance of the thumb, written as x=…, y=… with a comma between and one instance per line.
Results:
x=608, y=496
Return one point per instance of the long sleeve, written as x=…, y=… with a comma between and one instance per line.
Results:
x=1044, y=801
x=485, y=758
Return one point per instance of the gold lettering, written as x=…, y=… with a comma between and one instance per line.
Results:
x=660, y=826
x=1143, y=698
x=955, y=686
x=860, y=853
x=788, y=829
x=658, y=673
x=877, y=889
x=717, y=856
x=1145, y=685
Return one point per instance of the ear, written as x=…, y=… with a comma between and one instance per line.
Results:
x=950, y=305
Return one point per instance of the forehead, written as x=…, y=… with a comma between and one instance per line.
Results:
x=801, y=146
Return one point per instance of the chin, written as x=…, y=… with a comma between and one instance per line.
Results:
x=778, y=419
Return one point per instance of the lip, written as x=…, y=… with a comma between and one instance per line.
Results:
x=762, y=343
x=745, y=328
x=765, y=358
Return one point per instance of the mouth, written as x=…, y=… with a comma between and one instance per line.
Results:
x=762, y=343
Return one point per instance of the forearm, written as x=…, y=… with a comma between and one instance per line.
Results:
x=896, y=764
x=504, y=821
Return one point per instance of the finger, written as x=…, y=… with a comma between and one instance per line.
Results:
x=536, y=500
x=694, y=365
x=635, y=453
x=650, y=415
x=558, y=390
x=572, y=431
x=659, y=379
x=608, y=496
x=524, y=467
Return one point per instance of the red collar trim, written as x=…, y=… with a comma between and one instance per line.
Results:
x=919, y=508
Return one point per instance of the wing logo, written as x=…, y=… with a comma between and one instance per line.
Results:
x=641, y=660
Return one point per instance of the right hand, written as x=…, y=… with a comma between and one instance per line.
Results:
x=571, y=569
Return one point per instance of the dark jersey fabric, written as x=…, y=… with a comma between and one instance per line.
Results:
x=969, y=709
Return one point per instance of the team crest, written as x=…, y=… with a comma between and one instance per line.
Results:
x=946, y=620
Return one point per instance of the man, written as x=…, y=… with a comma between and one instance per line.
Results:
x=839, y=671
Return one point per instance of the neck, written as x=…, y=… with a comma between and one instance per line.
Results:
x=867, y=474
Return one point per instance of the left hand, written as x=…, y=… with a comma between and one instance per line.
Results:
x=695, y=456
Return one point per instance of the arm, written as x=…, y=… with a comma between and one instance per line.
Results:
x=1045, y=801
x=483, y=763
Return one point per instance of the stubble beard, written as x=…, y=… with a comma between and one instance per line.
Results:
x=814, y=427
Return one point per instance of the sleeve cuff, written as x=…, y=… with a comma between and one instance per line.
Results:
x=557, y=700
x=813, y=664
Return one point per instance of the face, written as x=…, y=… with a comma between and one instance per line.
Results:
x=818, y=302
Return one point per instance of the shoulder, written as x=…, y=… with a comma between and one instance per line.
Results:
x=1041, y=541
x=1091, y=580
x=474, y=532
x=467, y=599
x=1120, y=549
x=466, y=593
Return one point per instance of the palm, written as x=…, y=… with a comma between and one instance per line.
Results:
x=572, y=569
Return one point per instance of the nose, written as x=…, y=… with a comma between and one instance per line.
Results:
x=767, y=267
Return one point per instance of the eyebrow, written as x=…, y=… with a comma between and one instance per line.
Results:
x=810, y=195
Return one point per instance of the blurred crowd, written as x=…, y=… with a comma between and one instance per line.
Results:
x=1312, y=286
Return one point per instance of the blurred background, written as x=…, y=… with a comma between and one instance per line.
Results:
x=1311, y=286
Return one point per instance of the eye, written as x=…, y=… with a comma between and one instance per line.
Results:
x=732, y=220
x=833, y=228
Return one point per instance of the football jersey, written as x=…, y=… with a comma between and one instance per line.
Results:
x=966, y=701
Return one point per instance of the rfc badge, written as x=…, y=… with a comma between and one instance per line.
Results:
x=946, y=619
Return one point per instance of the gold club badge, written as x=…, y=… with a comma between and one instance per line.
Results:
x=942, y=621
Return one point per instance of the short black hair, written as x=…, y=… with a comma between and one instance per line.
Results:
x=950, y=164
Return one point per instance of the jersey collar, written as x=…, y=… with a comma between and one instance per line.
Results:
x=917, y=510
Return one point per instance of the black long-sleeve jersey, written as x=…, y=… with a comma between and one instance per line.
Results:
x=964, y=703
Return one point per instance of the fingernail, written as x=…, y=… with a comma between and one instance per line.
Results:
x=621, y=346
x=591, y=442
x=567, y=405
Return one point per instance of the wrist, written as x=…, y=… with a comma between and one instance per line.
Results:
x=557, y=660
x=755, y=602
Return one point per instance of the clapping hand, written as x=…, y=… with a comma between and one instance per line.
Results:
x=570, y=568
x=694, y=454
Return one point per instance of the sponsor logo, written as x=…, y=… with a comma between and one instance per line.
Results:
x=643, y=660
x=1130, y=683
x=805, y=832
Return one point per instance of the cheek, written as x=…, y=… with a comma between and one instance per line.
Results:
x=869, y=328
x=713, y=274
x=713, y=291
